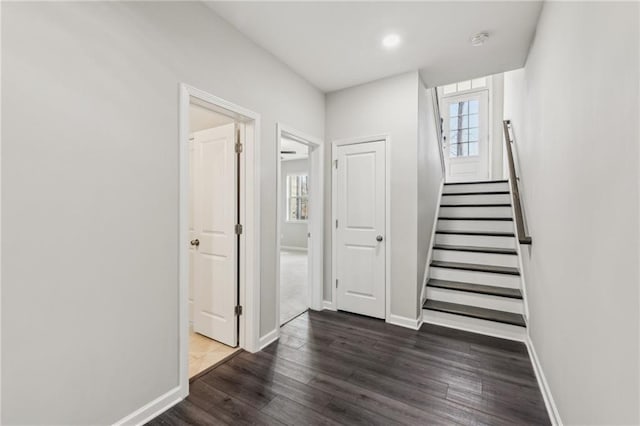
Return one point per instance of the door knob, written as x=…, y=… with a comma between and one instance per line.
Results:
x=379, y=238
x=195, y=242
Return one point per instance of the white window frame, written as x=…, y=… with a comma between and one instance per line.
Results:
x=468, y=115
x=295, y=174
x=315, y=221
x=471, y=89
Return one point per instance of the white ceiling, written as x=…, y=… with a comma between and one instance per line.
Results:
x=337, y=44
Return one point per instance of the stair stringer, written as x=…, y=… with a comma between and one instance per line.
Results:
x=427, y=268
x=523, y=287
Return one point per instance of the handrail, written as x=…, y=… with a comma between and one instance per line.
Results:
x=439, y=128
x=513, y=180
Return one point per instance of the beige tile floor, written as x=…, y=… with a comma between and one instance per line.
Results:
x=205, y=352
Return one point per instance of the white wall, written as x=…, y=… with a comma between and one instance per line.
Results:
x=496, y=99
x=388, y=106
x=90, y=194
x=575, y=111
x=430, y=177
x=294, y=234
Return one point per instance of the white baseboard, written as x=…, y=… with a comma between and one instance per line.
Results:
x=554, y=414
x=269, y=338
x=292, y=248
x=412, y=323
x=154, y=408
x=328, y=305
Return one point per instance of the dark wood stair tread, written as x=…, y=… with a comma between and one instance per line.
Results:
x=512, y=293
x=478, y=233
x=475, y=182
x=475, y=312
x=476, y=205
x=492, y=250
x=475, y=267
x=475, y=193
x=477, y=218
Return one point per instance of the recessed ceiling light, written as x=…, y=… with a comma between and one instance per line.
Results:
x=479, y=39
x=391, y=40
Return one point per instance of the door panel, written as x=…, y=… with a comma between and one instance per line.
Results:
x=215, y=266
x=361, y=196
x=192, y=223
x=466, y=130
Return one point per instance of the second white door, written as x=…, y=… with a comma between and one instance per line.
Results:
x=360, y=228
x=214, y=242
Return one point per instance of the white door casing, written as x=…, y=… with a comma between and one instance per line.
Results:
x=466, y=131
x=360, y=213
x=213, y=240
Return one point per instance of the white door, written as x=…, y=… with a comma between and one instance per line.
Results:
x=213, y=240
x=192, y=223
x=360, y=228
x=466, y=131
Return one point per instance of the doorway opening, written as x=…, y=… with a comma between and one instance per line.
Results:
x=294, y=232
x=219, y=229
x=299, y=239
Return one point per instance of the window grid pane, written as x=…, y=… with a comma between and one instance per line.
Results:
x=449, y=88
x=479, y=82
x=464, y=85
x=297, y=203
x=473, y=148
x=464, y=130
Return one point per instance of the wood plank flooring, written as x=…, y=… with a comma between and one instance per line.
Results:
x=334, y=368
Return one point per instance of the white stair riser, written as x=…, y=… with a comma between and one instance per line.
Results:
x=497, y=303
x=475, y=277
x=476, y=187
x=476, y=258
x=476, y=199
x=490, y=328
x=475, y=212
x=476, y=240
x=476, y=225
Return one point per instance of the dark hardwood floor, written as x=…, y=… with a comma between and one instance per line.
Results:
x=338, y=368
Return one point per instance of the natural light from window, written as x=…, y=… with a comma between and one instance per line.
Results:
x=463, y=128
x=476, y=83
x=297, y=198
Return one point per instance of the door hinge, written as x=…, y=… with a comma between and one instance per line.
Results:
x=336, y=283
x=238, y=229
x=238, y=310
x=336, y=223
x=238, y=143
x=336, y=163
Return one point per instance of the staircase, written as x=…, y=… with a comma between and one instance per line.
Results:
x=474, y=275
